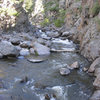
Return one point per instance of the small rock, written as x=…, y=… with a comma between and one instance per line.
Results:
x=26, y=44
x=36, y=60
x=96, y=83
x=32, y=51
x=24, y=80
x=85, y=69
x=75, y=65
x=96, y=95
x=67, y=33
x=7, y=49
x=24, y=52
x=41, y=49
x=97, y=71
x=47, y=97
x=93, y=65
x=39, y=85
x=64, y=71
x=18, y=48
x=52, y=34
x=1, y=56
x=15, y=41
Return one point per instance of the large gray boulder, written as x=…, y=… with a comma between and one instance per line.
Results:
x=7, y=49
x=41, y=49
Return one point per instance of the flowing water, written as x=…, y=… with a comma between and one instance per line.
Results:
x=44, y=80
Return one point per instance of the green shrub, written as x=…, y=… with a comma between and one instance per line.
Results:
x=58, y=22
x=45, y=22
x=95, y=9
x=28, y=5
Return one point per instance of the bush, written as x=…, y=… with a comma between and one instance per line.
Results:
x=45, y=22
x=95, y=9
x=59, y=22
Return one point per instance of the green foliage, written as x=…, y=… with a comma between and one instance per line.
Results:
x=77, y=0
x=95, y=9
x=58, y=22
x=80, y=8
x=45, y=22
x=28, y=5
x=8, y=11
x=97, y=20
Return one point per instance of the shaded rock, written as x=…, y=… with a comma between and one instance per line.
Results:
x=32, y=51
x=7, y=49
x=18, y=48
x=97, y=71
x=1, y=56
x=39, y=85
x=85, y=69
x=15, y=41
x=24, y=80
x=40, y=40
x=75, y=65
x=41, y=49
x=94, y=64
x=24, y=52
x=58, y=92
x=47, y=97
x=26, y=44
x=64, y=71
x=36, y=59
x=96, y=95
x=96, y=83
x=67, y=33
x=52, y=34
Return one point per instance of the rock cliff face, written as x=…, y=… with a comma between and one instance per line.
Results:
x=83, y=16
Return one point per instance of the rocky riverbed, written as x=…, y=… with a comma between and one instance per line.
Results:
x=42, y=66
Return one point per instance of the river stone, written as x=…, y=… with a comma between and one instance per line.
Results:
x=96, y=95
x=36, y=60
x=94, y=64
x=41, y=49
x=52, y=34
x=75, y=65
x=97, y=71
x=24, y=52
x=96, y=83
x=66, y=33
x=7, y=49
x=58, y=92
x=26, y=44
x=1, y=56
x=64, y=71
x=32, y=51
x=15, y=41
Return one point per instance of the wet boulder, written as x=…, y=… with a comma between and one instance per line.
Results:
x=96, y=83
x=64, y=71
x=94, y=64
x=41, y=49
x=75, y=65
x=26, y=44
x=15, y=41
x=7, y=49
x=24, y=52
x=96, y=95
x=1, y=56
x=52, y=34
